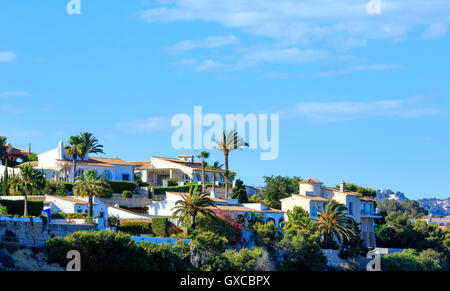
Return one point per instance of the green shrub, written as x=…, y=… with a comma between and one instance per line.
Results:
x=61, y=215
x=112, y=221
x=3, y=210
x=217, y=225
x=127, y=194
x=15, y=207
x=56, y=188
x=177, y=189
x=120, y=186
x=100, y=251
x=243, y=260
x=210, y=242
x=159, y=226
x=413, y=260
x=136, y=227
x=164, y=257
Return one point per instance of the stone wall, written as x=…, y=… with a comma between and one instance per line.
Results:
x=34, y=233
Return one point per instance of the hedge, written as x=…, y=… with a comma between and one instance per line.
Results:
x=163, y=190
x=120, y=186
x=15, y=207
x=159, y=226
x=136, y=227
x=127, y=194
x=61, y=215
x=117, y=186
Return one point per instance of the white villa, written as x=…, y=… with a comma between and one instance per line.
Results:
x=228, y=206
x=57, y=166
x=184, y=169
x=313, y=195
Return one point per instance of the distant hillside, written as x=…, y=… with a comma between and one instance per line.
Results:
x=436, y=206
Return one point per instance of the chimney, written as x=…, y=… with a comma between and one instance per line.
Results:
x=342, y=186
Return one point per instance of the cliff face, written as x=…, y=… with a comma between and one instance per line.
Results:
x=436, y=206
x=13, y=258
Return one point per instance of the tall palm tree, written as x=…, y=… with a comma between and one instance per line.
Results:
x=64, y=169
x=91, y=185
x=203, y=155
x=333, y=222
x=89, y=145
x=192, y=204
x=213, y=168
x=230, y=141
x=73, y=149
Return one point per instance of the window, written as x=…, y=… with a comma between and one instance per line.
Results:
x=80, y=173
x=350, y=208
x=126, y=177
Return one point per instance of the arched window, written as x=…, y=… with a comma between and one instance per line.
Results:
x=197, y=177
x=270, y=220
x=108, y=174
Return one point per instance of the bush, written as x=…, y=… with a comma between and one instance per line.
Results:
x=56, y=188
x=62, y=215
x=136, y=227
x=216, y=225
x=127, y=194
x=3, y=210
x=159, y=226
x=244, y=260
x=177, y=189
x=163, y=257
x=120, y=186
x=210, y=242
x=413, y=260
x=112, y=221
x=100, y=251
x=15, y=207
x=174, y=230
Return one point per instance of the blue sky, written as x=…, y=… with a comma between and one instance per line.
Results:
x=364, y=98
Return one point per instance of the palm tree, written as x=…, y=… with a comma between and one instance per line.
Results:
x=192, y=204
x=91, y=185
x=73, y=149
x=213, y=168
x=24, y=184
x=203, y=155
x=333, y=222
x=299, y=220
x=89, y=145
x=230, y=141
x=64, y=169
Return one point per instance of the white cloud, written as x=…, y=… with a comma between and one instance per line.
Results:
x=146, y=125
x=9, y=109
x=7, y=56
x=373, y=67
x=324, y=112
x=309, y=20
x=208, y=42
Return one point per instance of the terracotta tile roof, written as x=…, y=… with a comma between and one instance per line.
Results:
x=112, y=161
x=141, y=164
x=239, y=208
x=126, y=210
x=339, y=191
x=91, y=162
x=72, y=200
x=367, y=199
x=194, y=165
x=213, y=199
x=33, y=164
x=310, y=181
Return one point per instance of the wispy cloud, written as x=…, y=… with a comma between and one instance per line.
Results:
x=306, y=21
x=13, y=94
x=435, y=30
x=7, y=56
x=9, y=109
x=208, y=42
x=146, y=125
x=373, y=67
x=326, y=112
x=253, y=57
